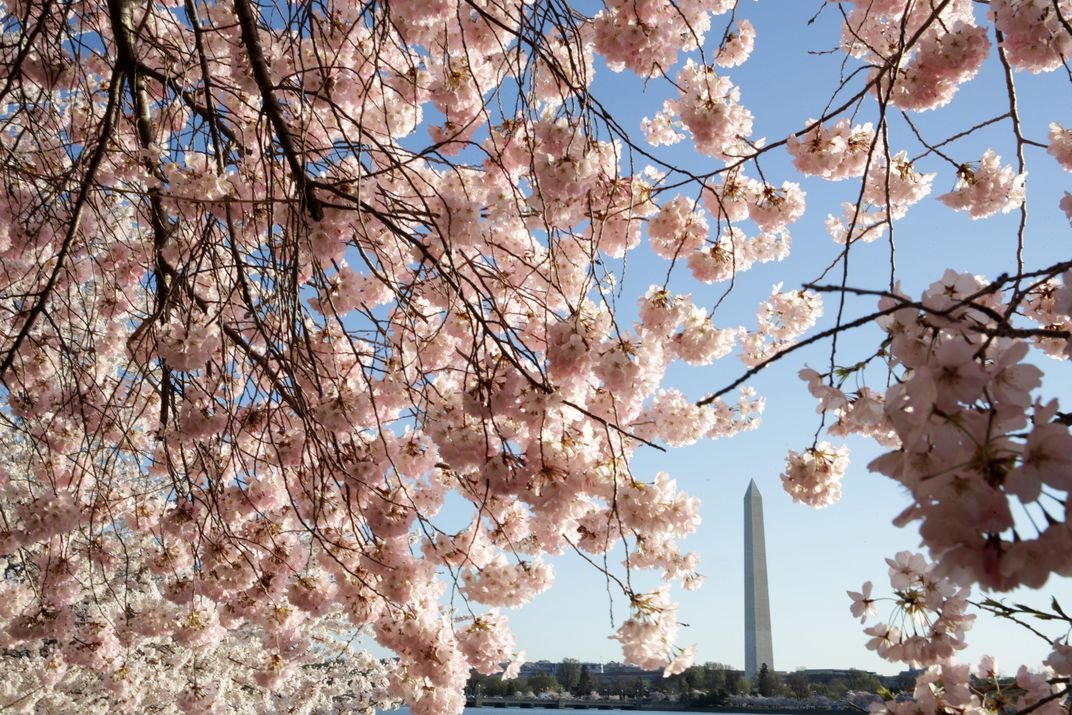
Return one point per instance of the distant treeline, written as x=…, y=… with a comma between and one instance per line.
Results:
x=709, y=685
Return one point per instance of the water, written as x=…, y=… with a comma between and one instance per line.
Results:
x=534, y=711
x=590, y=711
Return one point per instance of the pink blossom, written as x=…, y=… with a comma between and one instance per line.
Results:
x=829, y=397
x=737, y=46
x=709, y=107
x=661, y=312
x=647, y=637
x=700, y=342
x=662, y=130
x=906, y=568
x=1047, y=456
x=984, y=190
x=836, y=152
x=814, y=477
x=678, y=229
x=774, y=208
x=681, y=661
x=896, y=186
x=1060, y=659
x=987, y=668
x=500, y=583
x=862, y=603
x=1061, y=145
x=487, y=642
x=946, y=57
x=784, y=316
x=1034, y=39
x=646, y=37
x=728, y=201
x=514, y=666
x=927, y=625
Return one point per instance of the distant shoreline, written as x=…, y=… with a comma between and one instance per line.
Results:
x=659, y=707
x=747, y=711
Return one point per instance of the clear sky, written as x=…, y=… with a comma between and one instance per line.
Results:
x=813, y=556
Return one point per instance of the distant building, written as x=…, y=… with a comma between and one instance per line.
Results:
x=905, y=680
x=612, y=675
x=546, y=667
x=537, y=667
x=825, y=675
x=616, y=675
x=758, y=647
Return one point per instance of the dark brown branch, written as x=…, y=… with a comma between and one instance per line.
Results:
x=14, y=70
x=864, y=320
x=209, y=114
x=127, y=61
x=252, y=42
x=104, y=136
x=1014, y=116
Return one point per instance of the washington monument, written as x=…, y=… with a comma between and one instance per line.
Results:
x=757, y=629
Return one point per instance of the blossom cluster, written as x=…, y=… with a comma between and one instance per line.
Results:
x=709, y=107
x=736, y=47
x=890, y=189
x=781, y=319
x=926, y=629
x=280, y=287
x=838, y=152
x=968, y=436
x=648, y=636
x=1035, y=39
x=929, y=617
x=1049, y=304
x=646, y=37
x=985, y=189
x=949, y=50
x=814, y=477
x=681, y=231
x=1061, y=145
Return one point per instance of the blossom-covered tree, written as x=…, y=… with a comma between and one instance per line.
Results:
x=277, y=279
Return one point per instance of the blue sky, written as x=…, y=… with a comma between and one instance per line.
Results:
x=813, y=556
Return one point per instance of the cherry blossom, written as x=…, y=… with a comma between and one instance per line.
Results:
x=647, y=37
x=737, y=46
x=862, y=603
x=984, y=190
x=678, y=229
x=814, y=477
x=1033, y=34
x=325, y=325
x=648, y=635
x=896, y=186
x=929, y=618
x=837, y=152
x=708, y=107
x=1061, y=145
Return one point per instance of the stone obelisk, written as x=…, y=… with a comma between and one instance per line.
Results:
x=757, y=629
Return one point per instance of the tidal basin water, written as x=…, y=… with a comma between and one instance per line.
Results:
x=532, y=711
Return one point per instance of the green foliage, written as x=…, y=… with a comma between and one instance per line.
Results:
x=491, y=686
x=737, y=684
x=835, y=689
x=767, y=682
x=863, y=681
x=568, y=674
x=798, y=684
x=541, y=683
x=584, y=684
